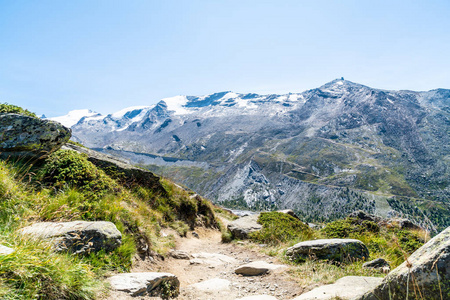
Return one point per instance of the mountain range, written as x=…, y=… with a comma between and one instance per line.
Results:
x=324, y=152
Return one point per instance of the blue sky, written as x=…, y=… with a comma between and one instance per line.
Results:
x=57, y=56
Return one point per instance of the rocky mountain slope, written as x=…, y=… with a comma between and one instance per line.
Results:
x=324, y=152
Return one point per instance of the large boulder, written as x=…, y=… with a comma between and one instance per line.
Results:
x=77, y=236
x=28, y=137
x=241, y=227
x=424, y=275
x=154, y=284
x=345, y=288
x=121, y=170
x=341, y=250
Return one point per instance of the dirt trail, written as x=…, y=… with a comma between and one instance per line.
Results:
x=218, y=263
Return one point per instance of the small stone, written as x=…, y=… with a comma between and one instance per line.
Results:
x=5, y=250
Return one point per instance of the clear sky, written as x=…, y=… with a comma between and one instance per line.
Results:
x=60, y=55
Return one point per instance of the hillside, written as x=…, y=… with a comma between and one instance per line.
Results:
x=324, y=152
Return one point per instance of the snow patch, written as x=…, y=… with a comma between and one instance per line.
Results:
x=176, y=104
x=74, y=116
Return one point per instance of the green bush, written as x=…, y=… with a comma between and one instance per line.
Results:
x=9, y=108
x=348, y=227
x=67, y=168
x=280, y=228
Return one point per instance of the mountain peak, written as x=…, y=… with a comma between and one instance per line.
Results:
x=74, y=116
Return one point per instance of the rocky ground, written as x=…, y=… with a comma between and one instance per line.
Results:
x=209, y=273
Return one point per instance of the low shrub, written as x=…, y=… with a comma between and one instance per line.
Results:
x=10, y=108
x=67, y=168
x=280, y=228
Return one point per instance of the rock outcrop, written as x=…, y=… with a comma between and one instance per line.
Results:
x=344, y=288
x=146, y=284
x=257, y=268
x=424, y=275
x=28, y=137
x=241, y=227
x=121, y=170
x=5, y=250
x=341, y=250
x=178, y=254
x=77, y=236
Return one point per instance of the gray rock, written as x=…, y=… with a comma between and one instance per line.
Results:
x=257, y=268
x=289, y=212
x=128, y=174
x=344, y=288
x=340, y=250
x=178, y=254
x=24, y=136
x=425, y=272
x=146, y=283
x=5, y=250
x=77, y=236
x=403, y=223
x=241, y=227
x=379, y=263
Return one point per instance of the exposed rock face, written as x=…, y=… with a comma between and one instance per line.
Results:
x=344, y=288
x=426, y=273
x=257, y=268
x=340, y=250
x=121, y=170
x=77, y=236
x=146, y=283
x=240, y=228
x=364, y=216
x=378, y=263
x=5, y=250
x=24, y=136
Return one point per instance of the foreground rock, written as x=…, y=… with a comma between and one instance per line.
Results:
x=241, y=227
x=425, y=272
x=121, y=170
x=345, y=288
x=5, y=250
x=341, y=250
x=148, y=283
x=77, y=236
x=27, y=137
x=289, y=212
x=257, y=268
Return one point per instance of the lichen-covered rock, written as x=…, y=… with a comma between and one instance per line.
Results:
x=146, y=284
x=341, y=250
x=121, y=170
x=24, y=136
x=241, y=227
x=77, y=236
x=426, y=273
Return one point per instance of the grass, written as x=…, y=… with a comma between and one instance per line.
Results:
x=67, y=187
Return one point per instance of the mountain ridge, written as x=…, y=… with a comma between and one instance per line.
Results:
x=391, y=145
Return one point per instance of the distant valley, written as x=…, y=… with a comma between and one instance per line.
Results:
x=324, y=152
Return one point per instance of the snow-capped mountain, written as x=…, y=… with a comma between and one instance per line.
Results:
x=323, y=152
x=74, y=116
